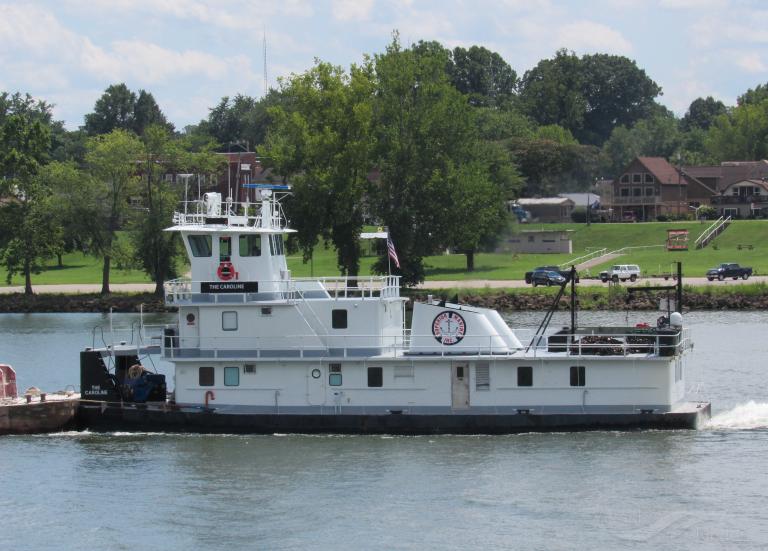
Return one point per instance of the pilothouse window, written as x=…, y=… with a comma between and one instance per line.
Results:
x=276, y=245
x=250, y=245
x=200, y=245
x=225, y=249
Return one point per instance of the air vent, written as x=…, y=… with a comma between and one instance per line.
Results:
x=482, y=376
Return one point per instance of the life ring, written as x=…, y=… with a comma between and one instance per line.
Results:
x=226, y=271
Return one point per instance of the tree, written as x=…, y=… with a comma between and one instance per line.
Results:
x=702, y=113
x=589, y=96
x=742, y=136
x=426, y=141
x=754, y=96
x=146, y=112
x=654, y=137
x=322, y=142
x=482, y=75
x=29, y=233
x=241, y=119
x=112, y=159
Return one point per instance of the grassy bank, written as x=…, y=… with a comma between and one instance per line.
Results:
x=731, y=246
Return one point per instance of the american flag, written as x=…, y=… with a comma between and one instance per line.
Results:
x=392, y=252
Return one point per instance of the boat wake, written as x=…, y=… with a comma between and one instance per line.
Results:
x=752, y=415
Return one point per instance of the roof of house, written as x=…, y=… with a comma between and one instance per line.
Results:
x=730, y=172
x=664, y=172
x=530, y=202
x=582, y=198
x=752, y=181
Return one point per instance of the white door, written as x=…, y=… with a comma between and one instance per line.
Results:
x=189, y=327
x=316, y=385
x=460, y=385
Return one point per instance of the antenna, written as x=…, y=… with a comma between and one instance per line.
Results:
x=266, y=78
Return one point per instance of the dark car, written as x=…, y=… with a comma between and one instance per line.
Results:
x=547, y=277
x=725, y=270
x=565, y=273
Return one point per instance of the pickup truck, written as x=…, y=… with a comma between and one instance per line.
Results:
x=728, y=270
x=621, y=272
x=565, y=273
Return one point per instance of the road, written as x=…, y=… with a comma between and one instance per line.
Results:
x=82, y=288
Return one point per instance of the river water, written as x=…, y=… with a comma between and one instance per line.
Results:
x=703, y=489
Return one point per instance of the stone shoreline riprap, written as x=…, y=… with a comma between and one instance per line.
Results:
x=498, y=299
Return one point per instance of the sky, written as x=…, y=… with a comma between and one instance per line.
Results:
x=191, y=53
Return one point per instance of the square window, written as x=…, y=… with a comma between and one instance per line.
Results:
x=637, y=178
x=229, y=321
x=578, y=375
x=266, y=311
x=525, y=375
x=624, y=192
x=648, y=178
x=649, y=192
x=205, y=376
x=200, y=245
x=231, y=376
x=375, y=377
x=637, y=192
x=339, y=319
x=249, y=368
x=250, y=245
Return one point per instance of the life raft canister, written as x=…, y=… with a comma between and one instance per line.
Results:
x=225, y=271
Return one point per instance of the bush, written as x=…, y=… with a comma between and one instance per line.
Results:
x=579, y=215
x=662, y=218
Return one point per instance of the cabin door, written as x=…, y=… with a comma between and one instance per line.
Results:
x=190, y=328
x=459, y=385
x=315, y=385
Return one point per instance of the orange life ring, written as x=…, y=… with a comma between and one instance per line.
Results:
x=226, y=271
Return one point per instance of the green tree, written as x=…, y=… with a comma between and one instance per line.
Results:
x=483, y=76
x=753, y=96
x=742, y=136
x=322, y=142
x=426, y=140
x=701, y=113
x=240, y=120
x=146, y=112
x=29, y=232
x=113, y=110
x=657, y=136
x=112, y=160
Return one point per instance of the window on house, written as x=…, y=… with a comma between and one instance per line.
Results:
x=649, y=192
x=229, y=321
x=482, y=376
x=225, y=249
x=648, y=178
x=735, y=192
x=625, y=178
x=375, y=376
x=637, y=178
x=339, y=319
x=231, y=376
x=334, y=374
x=200, y=245
x=205, y=376
x=625, y=192
x=524, y=375
x=578, y=375
x=250, y=245
x=637, y=192
x=531, y=239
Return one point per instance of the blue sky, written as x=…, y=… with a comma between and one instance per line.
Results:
x=190, y=53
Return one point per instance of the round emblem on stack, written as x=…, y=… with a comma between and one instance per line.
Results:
x=448, y=328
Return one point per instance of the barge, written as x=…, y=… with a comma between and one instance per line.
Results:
x=256, y=350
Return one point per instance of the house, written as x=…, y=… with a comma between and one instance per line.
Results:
x=548, y=209
x=539, y=241
x=743, y=199
x=650, y=187
x=719, y=177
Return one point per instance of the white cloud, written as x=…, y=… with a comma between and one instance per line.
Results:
x=751, y=62
x=352, y=10
x=589, y=36
x=693, y=4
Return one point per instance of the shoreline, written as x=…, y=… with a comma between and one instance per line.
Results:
x=737, y=297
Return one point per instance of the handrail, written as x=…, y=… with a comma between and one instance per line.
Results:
x=583, y=258
x=712, y=231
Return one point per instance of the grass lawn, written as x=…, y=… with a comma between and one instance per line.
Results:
x=500, y=266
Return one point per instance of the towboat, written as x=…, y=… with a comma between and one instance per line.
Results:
x=256, y=350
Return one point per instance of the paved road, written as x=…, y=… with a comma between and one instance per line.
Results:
x=465, y=284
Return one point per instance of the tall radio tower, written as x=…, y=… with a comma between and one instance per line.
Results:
x=266, y=78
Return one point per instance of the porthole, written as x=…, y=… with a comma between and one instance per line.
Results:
x=316, y=373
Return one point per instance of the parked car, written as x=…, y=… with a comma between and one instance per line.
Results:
x=621, y=272
x=547, y=277
x=565, y=273
x=728, y=270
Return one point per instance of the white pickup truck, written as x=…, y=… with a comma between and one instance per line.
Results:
x=621, y=272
